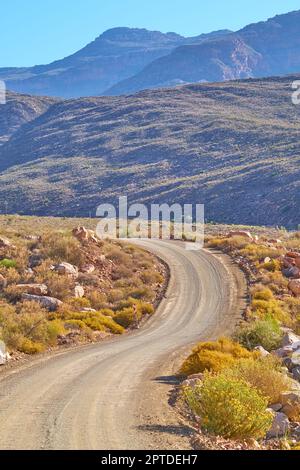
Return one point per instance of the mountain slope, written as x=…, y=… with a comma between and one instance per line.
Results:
x=264, y=49
x=117, y=54
x=233, y=146
x=19, y=110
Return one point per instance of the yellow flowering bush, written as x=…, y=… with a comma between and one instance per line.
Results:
x=214, y=356
x=229, y=407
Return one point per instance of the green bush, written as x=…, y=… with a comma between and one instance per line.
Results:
x=8, y=263
x=265, y=333
x=229, y=407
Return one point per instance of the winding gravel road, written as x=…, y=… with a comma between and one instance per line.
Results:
x=114, y=395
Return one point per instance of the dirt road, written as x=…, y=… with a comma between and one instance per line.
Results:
x=114, y=395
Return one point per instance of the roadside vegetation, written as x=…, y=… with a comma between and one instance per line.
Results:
x=244, y=392
x=60, y=286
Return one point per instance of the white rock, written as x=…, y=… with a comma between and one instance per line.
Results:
x=290, y=339
x=262, y=351
x=280, y=427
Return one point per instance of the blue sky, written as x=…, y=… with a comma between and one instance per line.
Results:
x=34, y=32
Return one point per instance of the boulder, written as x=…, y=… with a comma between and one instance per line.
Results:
x=193, y=380
x=88, y=269
x=291, y=405
x=33, y=289
x=276, y=407
x=240, y=233
x=262, y=351
x=35, y=260
x=296, y=373
x=290, y=339
x=280, y=427
x=67, y=269
x=293, y=254
x=292, y=272
x=5, y=243
x=3, y=282
x=49, y=303
x=294, y=287
x=84, y=235
x=79, y=292
x=292, y=361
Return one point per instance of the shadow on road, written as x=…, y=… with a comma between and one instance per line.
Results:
x=179, y=430
x=168, y=380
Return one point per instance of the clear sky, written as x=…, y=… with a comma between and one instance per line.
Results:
x=36, y=32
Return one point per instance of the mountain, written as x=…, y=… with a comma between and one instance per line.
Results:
x=233, y=146
x=263, y=49
x=19, y=110
x=117, y=54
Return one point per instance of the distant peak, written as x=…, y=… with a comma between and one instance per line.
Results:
x=133, y=34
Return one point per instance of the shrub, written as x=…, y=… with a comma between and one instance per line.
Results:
x=270, y=308
x=127, y=317
x=265, y=333
x=229, y=407
x=96, y=299
x=214, y=356
x=151, y=277
x=60, y=246
x=263, y=294
x=60, y=287
x=272, y=266
x=262, y=374
x=8, y=263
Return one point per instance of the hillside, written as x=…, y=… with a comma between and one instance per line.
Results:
x=233, y=146
x=259, y=50
x=115, y=55
x=19, y=110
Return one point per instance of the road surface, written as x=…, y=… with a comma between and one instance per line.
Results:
x=114, y=395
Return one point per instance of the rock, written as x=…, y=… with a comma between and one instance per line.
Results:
x=291, y=405
x=35, y=260
x=290, y=339
x=33, y=289
x=296, y=373
x=88, y=310
x=88, y=269
x=193, y=380
x=79, y=292
x=293, y=254
x=294, y=287
x=262, y=351
x=280, y=427
x=267, y=260
x=284, y=352
x=49, y=303
x=5, y=243
x=277, y=407
x=67, y=269
x=292, y=272
x=292, y=361
x=84, y=235
x=240, y=233
x=297, y=431
x=3, y=282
